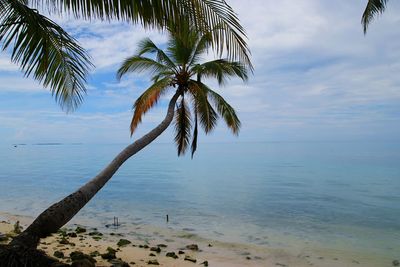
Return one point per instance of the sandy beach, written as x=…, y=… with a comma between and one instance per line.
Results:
x=148, y=246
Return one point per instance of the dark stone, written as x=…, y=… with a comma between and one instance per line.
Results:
x=162, y=245
x=205, y=263
x=145, y=246
x=118, y=263
x=60, y=264
x=58, y=254
x=110, y=254
x=193, y=247
x=209, y=245
x=396, y=263
x=123, y=242
x=72, y=234
x=188, y=258
x=248, y=258
x=94, y=254
x=63, y=241
x=77, y=255
x=3, y=238
x=181, y=252
x=97, y=238
x=82, y=263
x=95, y=233
x=80, y=230
x=172, y=255
x=153, y=262
x=152, y=255
x=156, y=249
x=110, y=249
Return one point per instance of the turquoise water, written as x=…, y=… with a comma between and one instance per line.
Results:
x=334, y=194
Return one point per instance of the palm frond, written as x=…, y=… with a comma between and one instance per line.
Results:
x=149, y=13
x=373, y=8
x=201, y=46
x=182, y=127
x=203, y=14
x=195, y=133
x=44, y=50
x=208, y=116
x=147, y=100
x=140, y=64
x=224, y=109
x=222, y=69
x=181, y=42
x=161, y=75
x=148, y=46
x=229, y=34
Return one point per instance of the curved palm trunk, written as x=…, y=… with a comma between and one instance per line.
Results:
x=60, y=213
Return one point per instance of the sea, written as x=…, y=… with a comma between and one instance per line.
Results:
x=336, y=195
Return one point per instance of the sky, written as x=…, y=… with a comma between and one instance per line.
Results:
x=317, y=78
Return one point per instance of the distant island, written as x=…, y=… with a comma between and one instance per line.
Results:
x=46, y=144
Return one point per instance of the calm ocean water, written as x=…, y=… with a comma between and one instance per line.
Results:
x=334, y=194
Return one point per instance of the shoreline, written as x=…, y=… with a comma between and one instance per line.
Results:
x=149, y=244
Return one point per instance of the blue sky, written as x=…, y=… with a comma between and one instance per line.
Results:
x=317, y=77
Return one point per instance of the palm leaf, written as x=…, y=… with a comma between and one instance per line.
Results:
x=139, y=64
x=44, y=50
x=195, y=133
x=181, y=43
x=148, y=46
x=373, y=8
x=182, y=127
x=147, y=100
x=161, y=75
x=208, y=116
x=224, y=109
x=229, y=34
x=221, y=69
x=201, y=46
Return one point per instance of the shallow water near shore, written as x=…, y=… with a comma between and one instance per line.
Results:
x=340, y=197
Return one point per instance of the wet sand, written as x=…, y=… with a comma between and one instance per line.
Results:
x=146, y=240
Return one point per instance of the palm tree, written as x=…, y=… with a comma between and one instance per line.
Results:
x=373, y=8
x=177, y=69
x=45, y=51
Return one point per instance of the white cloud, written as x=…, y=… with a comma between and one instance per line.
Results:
x=6, y=65
x=15, y=82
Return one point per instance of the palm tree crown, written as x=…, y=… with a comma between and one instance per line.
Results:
x=179, y=68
